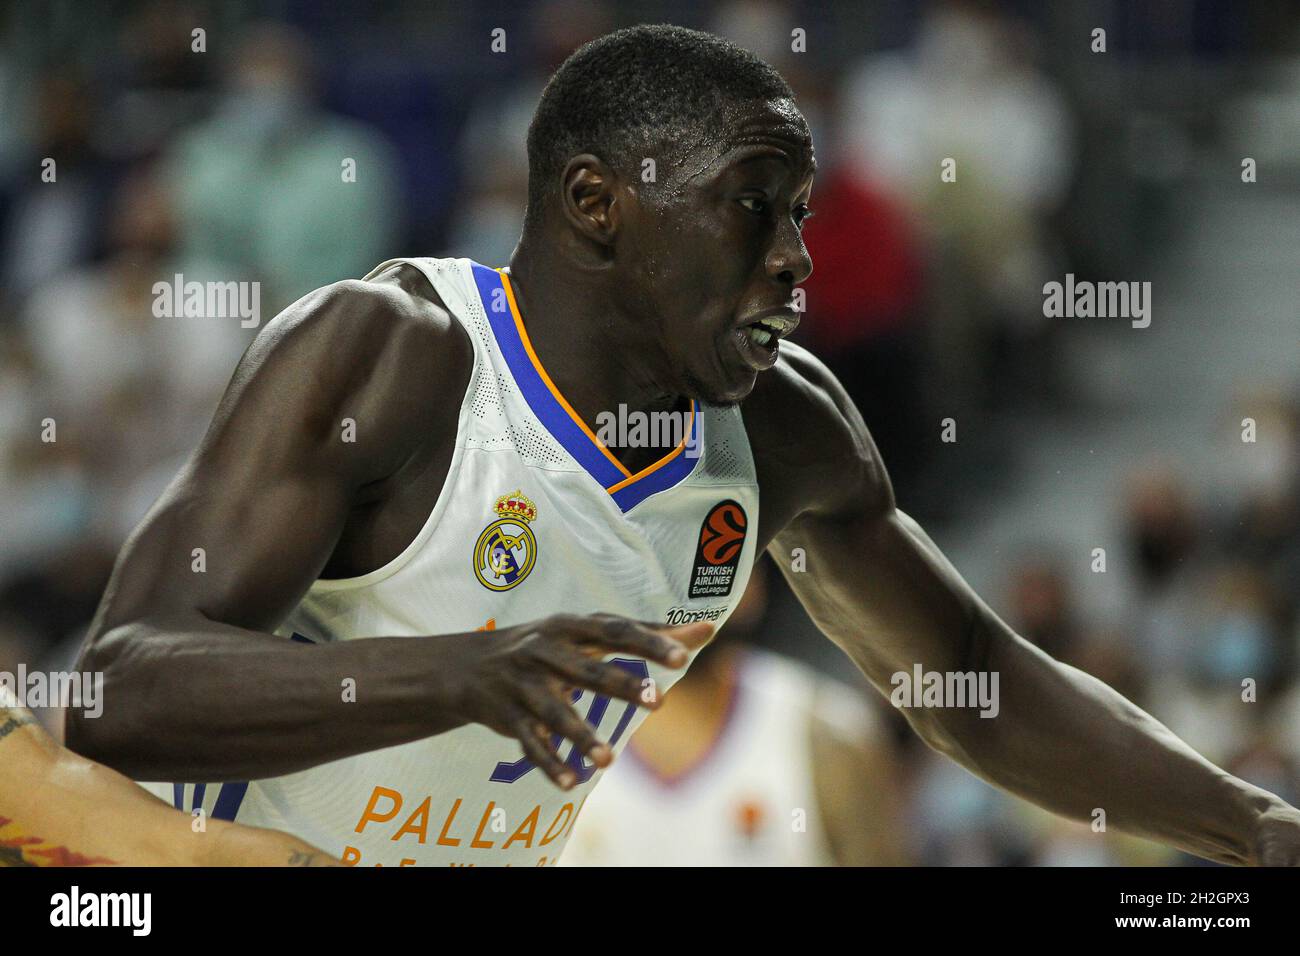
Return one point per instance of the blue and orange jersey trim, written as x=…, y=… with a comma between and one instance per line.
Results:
x=557, y=415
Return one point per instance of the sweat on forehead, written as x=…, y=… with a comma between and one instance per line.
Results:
x=707, y=145
x=771, y=115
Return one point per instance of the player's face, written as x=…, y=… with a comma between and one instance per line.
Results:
x=720, y=254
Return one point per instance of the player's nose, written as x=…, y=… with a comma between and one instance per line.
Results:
x=788, y=261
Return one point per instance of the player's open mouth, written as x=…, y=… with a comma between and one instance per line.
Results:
x=759, y=340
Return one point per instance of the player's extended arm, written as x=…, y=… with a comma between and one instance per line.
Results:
x=196, y=685
x=880, y=588
x=58, y=809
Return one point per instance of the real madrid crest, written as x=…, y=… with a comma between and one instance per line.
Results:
x=507, y=550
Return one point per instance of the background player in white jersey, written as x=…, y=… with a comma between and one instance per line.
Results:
x=346, y=484
x=754, y=759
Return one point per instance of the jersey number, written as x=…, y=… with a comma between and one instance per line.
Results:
x=509, y=772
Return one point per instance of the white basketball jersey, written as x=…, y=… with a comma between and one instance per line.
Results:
x=750, y=802
x=536, y=517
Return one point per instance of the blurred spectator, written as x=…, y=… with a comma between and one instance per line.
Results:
x=1161, y=526
x=968, y=92
x=863, y=306
x=52, y=224
x=267, y=182
x=1042, y=609
x=493, y=147
x=131, y=392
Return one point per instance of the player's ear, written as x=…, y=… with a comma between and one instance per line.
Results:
x=588, y=198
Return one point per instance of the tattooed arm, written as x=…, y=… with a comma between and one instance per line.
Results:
x=59, y=809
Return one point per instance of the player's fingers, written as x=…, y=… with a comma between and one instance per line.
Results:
x=560, y=718
x=535, y=740
x=603, y=678
x=669, y=646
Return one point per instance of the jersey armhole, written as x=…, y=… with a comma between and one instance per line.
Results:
x=329, y=585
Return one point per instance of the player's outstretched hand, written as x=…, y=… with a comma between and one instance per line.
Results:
x=518, y=680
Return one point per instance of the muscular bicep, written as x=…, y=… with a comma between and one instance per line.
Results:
x=879, y=588
x=238, y=544
x=309, y=421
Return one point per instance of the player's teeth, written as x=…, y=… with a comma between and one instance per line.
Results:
x=759, y=336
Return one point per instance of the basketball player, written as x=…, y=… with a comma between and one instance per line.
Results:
x=753, y=760
x=404, y=604
x=58, y=809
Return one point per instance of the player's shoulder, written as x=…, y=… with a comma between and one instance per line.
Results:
x=388, y=332
x=803, y=426
x=800, y=399
x=797, y=367
x=380, y=352
x=396, y=306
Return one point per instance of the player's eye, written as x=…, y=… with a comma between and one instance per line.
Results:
x=802, y=214
x=754, y=205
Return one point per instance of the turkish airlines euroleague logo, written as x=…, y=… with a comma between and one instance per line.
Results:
x=722, y=538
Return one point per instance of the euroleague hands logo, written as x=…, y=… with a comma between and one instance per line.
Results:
x=722, y=538
x=723, y=533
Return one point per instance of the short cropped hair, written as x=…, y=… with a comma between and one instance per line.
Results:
x=626, y=93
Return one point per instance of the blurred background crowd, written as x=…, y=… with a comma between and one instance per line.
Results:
x=1071, y=435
